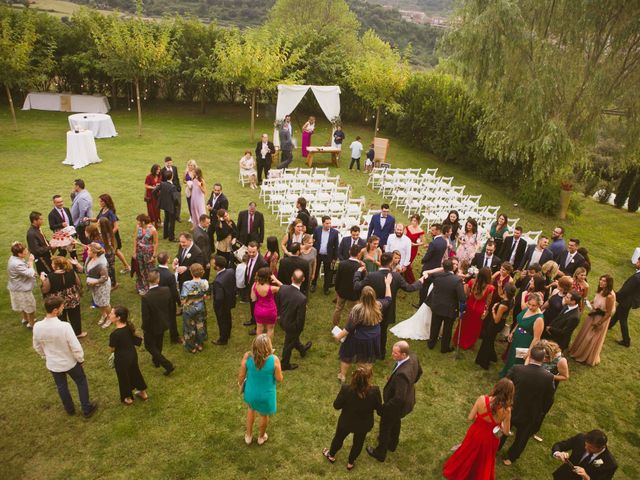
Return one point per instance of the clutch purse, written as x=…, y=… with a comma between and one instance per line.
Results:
x=111, y=361
x=522, y=353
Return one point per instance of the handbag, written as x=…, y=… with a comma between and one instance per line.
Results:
x=135, y=268
x=111, y=361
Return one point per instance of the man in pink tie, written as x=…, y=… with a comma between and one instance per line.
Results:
x=59, y=218
x=250, y=225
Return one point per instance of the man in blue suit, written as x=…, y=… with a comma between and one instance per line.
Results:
x=325, y=240
x=347, y=242
x=382, y=225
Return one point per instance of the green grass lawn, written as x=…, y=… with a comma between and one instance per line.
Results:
x=192, y=426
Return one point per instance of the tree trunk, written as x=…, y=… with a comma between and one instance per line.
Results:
x=203, y=103
x=375, y=132
x=114, y=93
x=13, y=111
x=565, y=199
x=253, y=114
x=139, y=108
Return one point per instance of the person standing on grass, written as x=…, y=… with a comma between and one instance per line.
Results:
x=81, y=207
x=123, y=342
x=167, y=201
x=156, y=306
x=292, y=310
x=224, y=298
x=168, y=279
x=259, y=371
x=371, y=158
x=628, y=298
x=22, y=280
x=358, y=401
x=356, y=152
x=56, y=343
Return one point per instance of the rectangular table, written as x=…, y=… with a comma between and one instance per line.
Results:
x=335, y=153
x=61, y=102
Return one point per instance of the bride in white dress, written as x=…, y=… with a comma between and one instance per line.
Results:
x=417, y=327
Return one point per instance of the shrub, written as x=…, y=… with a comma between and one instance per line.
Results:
x=634, y=196
x=624, y=187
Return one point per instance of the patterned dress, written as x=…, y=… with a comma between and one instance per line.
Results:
x=144, y=255
x=468, y=247
x=194, y=313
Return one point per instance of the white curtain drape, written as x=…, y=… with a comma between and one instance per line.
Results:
x=289, y=96
x=328, y=99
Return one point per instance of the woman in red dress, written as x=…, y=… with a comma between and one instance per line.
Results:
x=150, y=183
x=475, y=458
x=479, y=294
x=415, y=233
x=500, y=279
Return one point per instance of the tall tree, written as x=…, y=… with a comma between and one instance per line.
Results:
x=547, y=73
x=379, y=74
x=17, y=40
x=134, y=49
x=257, y=61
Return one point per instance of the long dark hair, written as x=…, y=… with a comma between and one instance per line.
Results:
x=272, y=245
x=122, y=313
x=106, y=233
x=474, y=225
x=361, y=380
x=108, y=201
x=482, y=280
x=609, y=288
x=502, y=395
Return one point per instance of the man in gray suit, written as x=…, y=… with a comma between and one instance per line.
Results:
x=201, y=239
x=286, y=146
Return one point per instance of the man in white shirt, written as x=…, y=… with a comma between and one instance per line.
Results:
x=55, y=341
x=402, y=244
x=356, y=152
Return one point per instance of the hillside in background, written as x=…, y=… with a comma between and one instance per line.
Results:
x=430, y=7
x=386, y=22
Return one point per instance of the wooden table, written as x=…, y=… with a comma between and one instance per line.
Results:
x=335, y=153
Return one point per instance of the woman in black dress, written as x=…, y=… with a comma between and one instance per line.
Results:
x=453, y=219
x=493, y=324
x=554, y=305
x=362, y=332
x=63, y=281
x=357, y=401
x=123, y=342
x=226, y=233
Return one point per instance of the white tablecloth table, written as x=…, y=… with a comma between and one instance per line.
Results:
x=81, y=149
x=99, y=123
x=63, y=102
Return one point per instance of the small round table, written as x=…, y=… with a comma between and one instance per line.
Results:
x=81, y=149
x=99, y=123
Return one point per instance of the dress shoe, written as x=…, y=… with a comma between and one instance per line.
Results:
x=248, y=324
x=307, y=346
x=291, y=366
x=623, y=343
x=219, y=342
x=252, y=331
x=373, y=454
x=312, y=289
x=92, y=410
x=168, y=372
x=71, y=412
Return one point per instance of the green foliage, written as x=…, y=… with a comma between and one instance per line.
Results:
x=624, y=188
x=634, y=196
x=17, y=42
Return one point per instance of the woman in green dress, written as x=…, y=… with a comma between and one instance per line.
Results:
x=371, y=254
x=527, y=331
x=259, y=371
x=498, y=230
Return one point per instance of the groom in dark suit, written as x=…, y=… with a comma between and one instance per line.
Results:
x=399, y=397
x=445, y=300
x=589, y=457
x=570, y=259
x=562, y=326
x=488, y=258
x=292, y=310
x=156, y=305
x=188, y=254
x=224, y=298
x=628, y=297
x=264, y=153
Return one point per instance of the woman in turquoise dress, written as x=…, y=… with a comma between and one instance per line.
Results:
x=145, y=249
x=194, y=310
x=527, y=332
x=259, y=371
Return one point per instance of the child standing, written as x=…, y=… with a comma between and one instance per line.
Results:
x=368, y=164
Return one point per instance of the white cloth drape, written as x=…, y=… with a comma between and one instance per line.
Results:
x=289, y=96
x=329, y=100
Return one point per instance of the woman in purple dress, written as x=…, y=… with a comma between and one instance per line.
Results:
x=307, y=131
x=263, y=294
x=189, y=174
x=198, y=195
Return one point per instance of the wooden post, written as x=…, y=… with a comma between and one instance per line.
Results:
x=139, y=108
x=13, y=111
x=253, y=114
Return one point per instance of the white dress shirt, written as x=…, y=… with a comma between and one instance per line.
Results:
x=535, y=256
x=55, y=341
x=403, y=245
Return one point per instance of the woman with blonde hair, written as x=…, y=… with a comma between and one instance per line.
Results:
x=491, y=415
x=248, y=168
x=580, y=284
x=189, y=175
x=526, y=333
x=362, y=332
x=98, y=281
x=63, y=281
x=358, y=401
x=259, y=371
x=295, y=233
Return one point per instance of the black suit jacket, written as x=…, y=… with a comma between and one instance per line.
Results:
x=203, y=242
x=575, y=445
x=257, y=229
x=55, y=220
x=167, y=196
x=193, y=256
x=292, y=308
x=224, y=290
x=288, y=265
x=534, y=393
x=156, y=305
x=507, y=246
x=399, y=393
x=577, y=262
x=629, y=294
x=478, y=262
x=267, y=159
x=37, y=246
x=447, y=294
x=345, y=246
x=344, y=279
x=544, y=258
x=175, y=179
x=561, y=328
x=357, y=413
x=332, y=244
x=376, y=281
x=168, y=279
x=435, y=253
x=250, y=277
x=221, y=202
